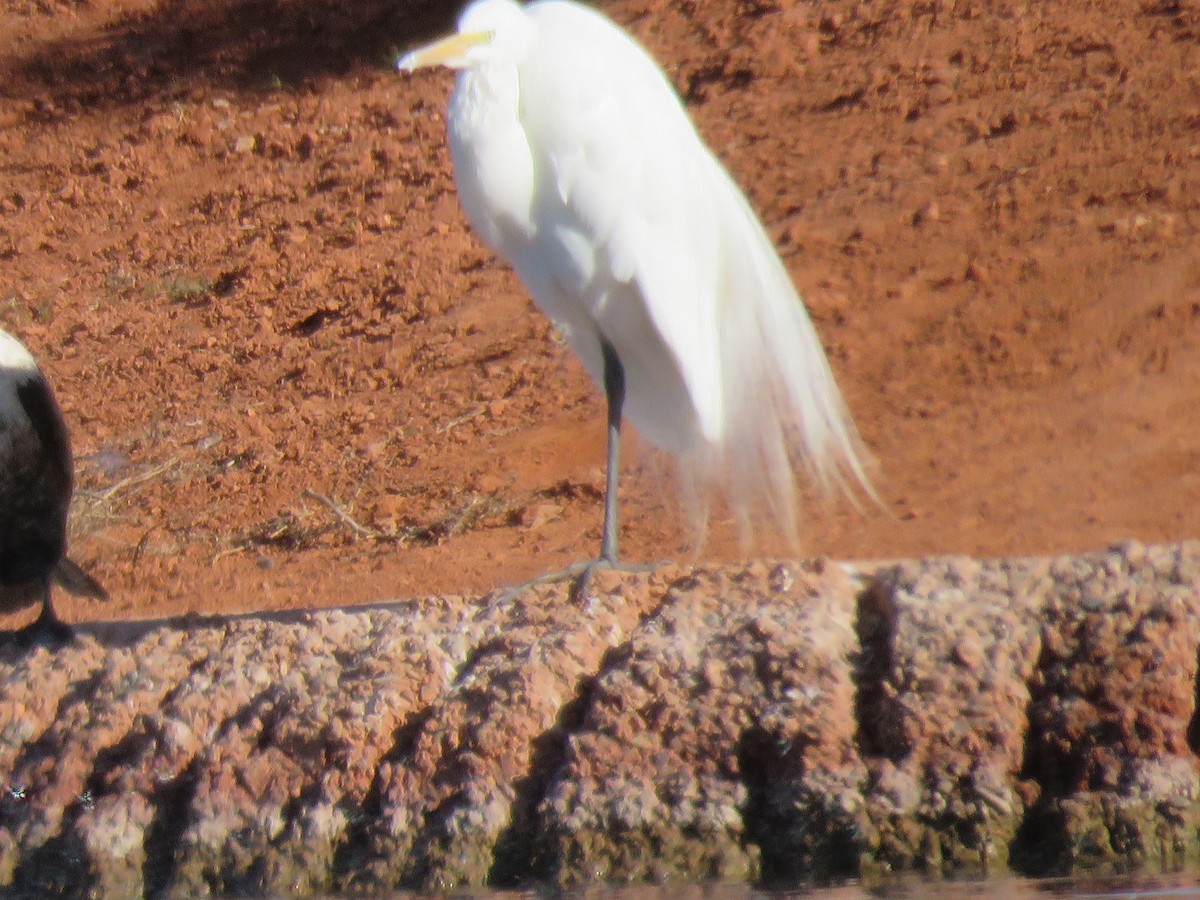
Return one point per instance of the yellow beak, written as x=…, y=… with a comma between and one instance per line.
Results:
x=446, y=52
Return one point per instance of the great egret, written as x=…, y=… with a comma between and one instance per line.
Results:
x=575, y=159
x=35, y=490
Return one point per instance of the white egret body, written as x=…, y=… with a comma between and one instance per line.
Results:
x=36, y=481
x=576, y=160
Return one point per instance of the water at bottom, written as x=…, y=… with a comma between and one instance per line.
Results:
x=1121, y=887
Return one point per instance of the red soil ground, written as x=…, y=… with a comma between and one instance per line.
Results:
x=228, y=230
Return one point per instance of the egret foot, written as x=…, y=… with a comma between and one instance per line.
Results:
x=580, y=576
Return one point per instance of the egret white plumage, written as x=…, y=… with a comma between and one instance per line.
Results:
x=576, y=160
x=36, y=481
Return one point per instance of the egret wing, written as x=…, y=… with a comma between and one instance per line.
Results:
x=669, y=223
x=624, y=214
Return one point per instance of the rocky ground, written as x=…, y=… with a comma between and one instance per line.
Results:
x=295, y=379
x=762, y=723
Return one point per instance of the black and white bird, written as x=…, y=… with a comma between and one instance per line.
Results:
x=36, y=481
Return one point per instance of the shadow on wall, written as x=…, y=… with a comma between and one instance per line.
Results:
x=246, y=45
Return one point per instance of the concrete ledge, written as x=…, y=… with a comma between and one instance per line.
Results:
x=770, y=722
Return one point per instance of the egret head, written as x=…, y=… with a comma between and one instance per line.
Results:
x=489, y=31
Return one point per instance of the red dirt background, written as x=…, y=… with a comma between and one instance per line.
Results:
x=229, y=232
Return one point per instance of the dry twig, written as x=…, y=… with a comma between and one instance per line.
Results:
x=343, y=516
x=136, y=479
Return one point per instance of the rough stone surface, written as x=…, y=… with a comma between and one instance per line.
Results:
x=294, y=378
x=946, y=722
x=720, y=740
x=770, y=722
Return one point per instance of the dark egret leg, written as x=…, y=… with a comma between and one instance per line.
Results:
x=614, y=392
x=581, y=573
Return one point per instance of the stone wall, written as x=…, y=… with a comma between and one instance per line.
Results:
x=773, y=722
